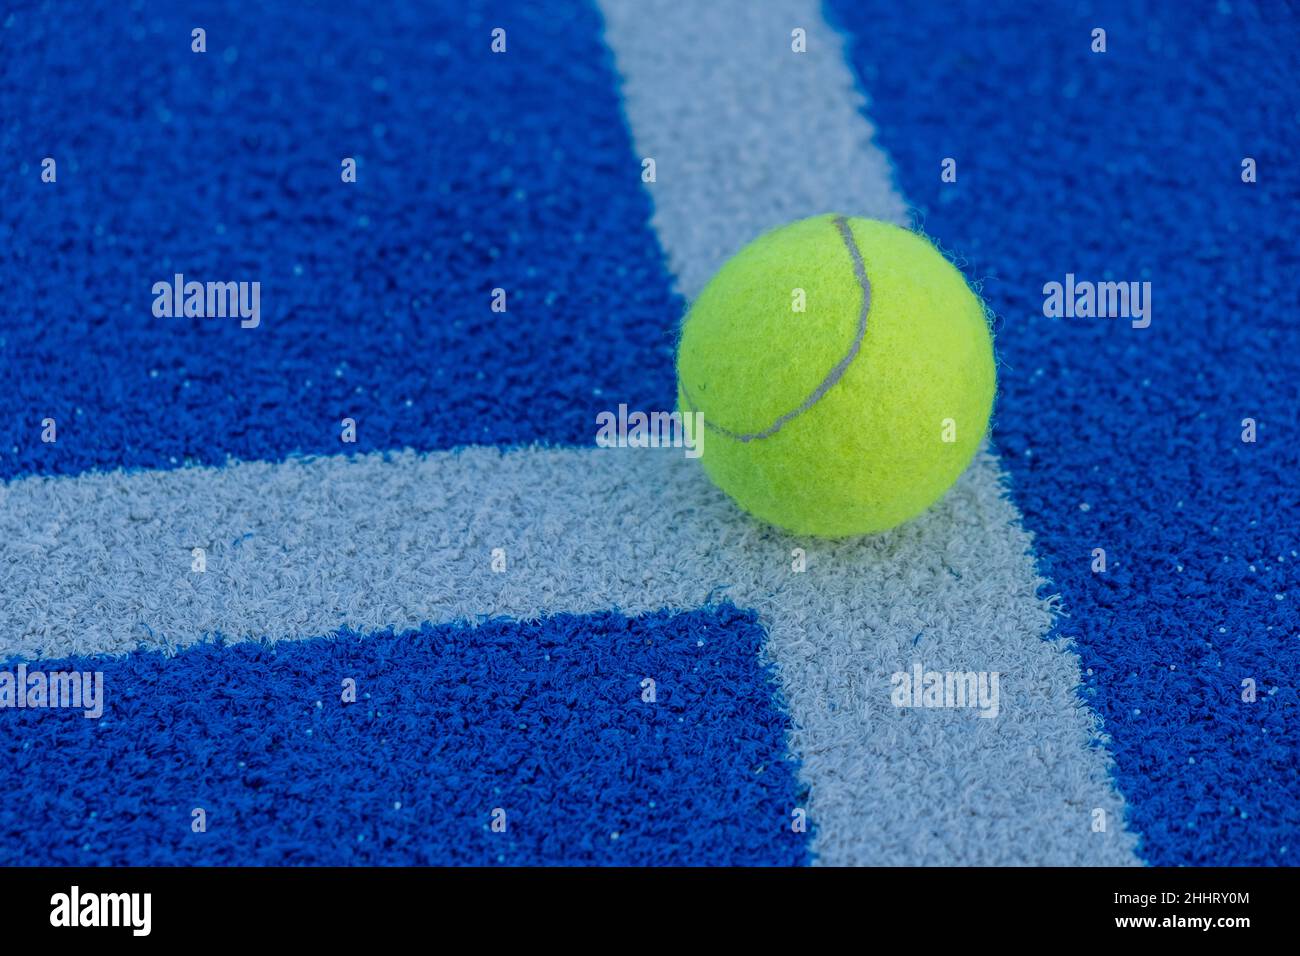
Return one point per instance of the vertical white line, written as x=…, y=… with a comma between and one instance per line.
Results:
x=747, y=134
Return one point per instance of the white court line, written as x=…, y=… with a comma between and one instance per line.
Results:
x=100, y=562
x=747, y=135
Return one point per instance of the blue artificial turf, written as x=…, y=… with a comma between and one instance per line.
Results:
x=477, y=171
x=1126, y=165
x=544, y=720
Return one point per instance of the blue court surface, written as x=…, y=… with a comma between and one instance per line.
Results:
x=361, y=587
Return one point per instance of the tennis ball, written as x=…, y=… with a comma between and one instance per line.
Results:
x=844, y=372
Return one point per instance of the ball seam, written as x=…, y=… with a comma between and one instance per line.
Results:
x=834, y=375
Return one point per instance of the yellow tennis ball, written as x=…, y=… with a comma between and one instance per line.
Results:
x=844, y=371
